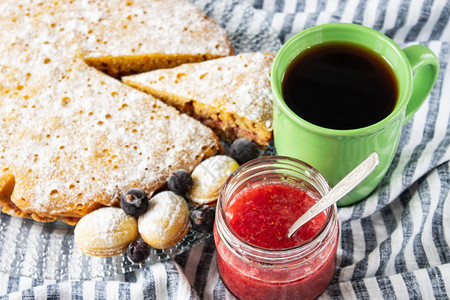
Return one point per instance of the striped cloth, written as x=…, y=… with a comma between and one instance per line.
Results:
x=396, y=243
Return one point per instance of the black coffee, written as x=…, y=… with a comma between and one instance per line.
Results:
x=340, y=86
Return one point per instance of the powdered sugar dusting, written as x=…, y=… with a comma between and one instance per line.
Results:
x=173, y=34
x=164, y=214
x=73, y=137
x=237, y=84
x=116, y=27
x=106, y=229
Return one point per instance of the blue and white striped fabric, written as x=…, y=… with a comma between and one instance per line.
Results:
x=396, y=243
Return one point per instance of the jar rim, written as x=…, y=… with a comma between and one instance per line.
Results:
x=263, y=254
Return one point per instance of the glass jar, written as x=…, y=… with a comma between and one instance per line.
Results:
x=252, y=272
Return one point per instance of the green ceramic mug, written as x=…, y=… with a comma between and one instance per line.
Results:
x=334, y=153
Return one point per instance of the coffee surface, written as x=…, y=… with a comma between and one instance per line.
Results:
x=340, y=86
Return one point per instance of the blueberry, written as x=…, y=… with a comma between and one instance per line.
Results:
x=134, y=202
x=202, y=218
x=137, y=252
x=242, y=150
x=180, y=182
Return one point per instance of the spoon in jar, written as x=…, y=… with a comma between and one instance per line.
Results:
x=342, y=188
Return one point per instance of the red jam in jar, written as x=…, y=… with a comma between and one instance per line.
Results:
x=262, y=214
x=256, y=207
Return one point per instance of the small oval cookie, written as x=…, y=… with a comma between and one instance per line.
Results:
x=106, y=231
x=166, y=221
x=209, y=177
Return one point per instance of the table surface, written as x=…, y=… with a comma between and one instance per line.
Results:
x=394, y=244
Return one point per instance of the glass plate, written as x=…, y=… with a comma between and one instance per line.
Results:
x=48, y=250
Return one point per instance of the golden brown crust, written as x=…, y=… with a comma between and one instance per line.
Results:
x=122, y=66
x=7, y=182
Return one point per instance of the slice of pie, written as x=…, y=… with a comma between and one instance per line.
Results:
x=232, y=95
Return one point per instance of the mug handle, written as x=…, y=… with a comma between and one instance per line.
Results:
x=425, y=69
